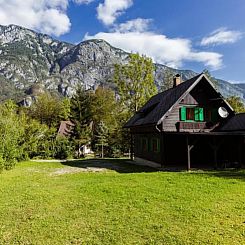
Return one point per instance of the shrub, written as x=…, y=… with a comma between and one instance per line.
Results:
x=63, y=148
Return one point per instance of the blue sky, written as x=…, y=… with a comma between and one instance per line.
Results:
x=186, y=34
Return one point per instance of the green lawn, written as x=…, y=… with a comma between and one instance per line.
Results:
x=76, y=203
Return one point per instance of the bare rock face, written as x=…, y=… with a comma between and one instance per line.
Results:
x=28, y=58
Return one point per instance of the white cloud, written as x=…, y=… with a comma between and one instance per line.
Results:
x=48, y=16
x=170, y=51
x=108, y=11
x=221, y=36
x=236, y=81
x=83, y=1
x=136, y=25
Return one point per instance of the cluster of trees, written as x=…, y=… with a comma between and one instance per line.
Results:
x=98, y=117
x=25, y=136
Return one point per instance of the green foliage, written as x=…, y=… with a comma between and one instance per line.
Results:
x=98, y=118
x=11, y=133
x=22, y=137
x=34, y=132
x=81, y=116
x=135, y=82
x=46, y=147
x=101, y=136
x=49, y=109
x=135, y=86
x=63, y=148
x=105, y=118
x=2, y=163
x=65, y=109
x=236, y=103
x=212, y=79
x=104, y=108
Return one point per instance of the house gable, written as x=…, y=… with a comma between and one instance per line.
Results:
x=196, y=110
x=162, y=111
x=154, y=110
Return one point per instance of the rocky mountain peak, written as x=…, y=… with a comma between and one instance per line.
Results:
x=28, y=58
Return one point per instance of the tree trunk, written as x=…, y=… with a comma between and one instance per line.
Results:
x=102, y=150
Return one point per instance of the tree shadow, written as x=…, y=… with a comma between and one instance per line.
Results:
x=118, y=165
x=128, y=166
x=237, y=174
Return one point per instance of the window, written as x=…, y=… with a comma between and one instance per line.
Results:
x=208, y=115
x=192, y=114
x=211, y=115
x=155, y=145
x=144, y=144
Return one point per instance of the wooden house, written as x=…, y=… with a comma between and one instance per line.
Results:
x=66, y=128
x=190, y=125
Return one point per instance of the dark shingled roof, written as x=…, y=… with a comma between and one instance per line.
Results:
x=159, y=104
x=235, y=123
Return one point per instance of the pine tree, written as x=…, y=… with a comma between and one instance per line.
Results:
x=81, y=116
x=102, y=135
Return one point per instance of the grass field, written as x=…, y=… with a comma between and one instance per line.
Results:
x=112, y=202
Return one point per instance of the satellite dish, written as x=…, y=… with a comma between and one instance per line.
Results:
x=223, y=112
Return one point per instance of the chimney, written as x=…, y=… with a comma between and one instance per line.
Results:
x=177, y=80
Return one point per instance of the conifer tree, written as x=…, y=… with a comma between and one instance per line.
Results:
x=102, y=135
x=81, y=116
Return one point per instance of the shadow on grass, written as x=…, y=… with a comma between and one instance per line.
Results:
x=127, y=166
x=238, y=174
x=118, y=165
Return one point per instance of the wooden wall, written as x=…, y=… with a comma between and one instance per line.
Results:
x=203, y=96
x=147, y=154
x=173, y=150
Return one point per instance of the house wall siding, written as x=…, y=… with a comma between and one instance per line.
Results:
x=189, y=99
x=202, y=96
x=147, y=154
x=170, y=122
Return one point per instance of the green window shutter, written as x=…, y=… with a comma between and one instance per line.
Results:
x=196, y=111
x=201, y=114
x=183, y=113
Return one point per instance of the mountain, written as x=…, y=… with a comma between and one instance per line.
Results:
x=242, y=87
x=32, y=62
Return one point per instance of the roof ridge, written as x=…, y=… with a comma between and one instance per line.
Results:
x=163, y=101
